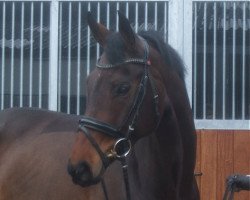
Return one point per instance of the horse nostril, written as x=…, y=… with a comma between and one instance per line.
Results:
x=71, y=169
x=83, y=168
x=80, y=173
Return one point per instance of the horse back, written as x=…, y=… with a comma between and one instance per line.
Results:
x=21, y=122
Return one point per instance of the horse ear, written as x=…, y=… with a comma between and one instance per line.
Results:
x=126, y=31
x=99, y=31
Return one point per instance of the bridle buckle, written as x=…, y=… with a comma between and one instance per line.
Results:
x=121, y=148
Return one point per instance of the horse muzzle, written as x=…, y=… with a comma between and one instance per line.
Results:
x=82, y=174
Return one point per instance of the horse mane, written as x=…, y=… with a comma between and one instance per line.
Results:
x=171, y=57
x=115, y=49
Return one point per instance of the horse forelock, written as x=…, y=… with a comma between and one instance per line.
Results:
x=115, y=48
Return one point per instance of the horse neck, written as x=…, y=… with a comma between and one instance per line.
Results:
x=183, y=115
x=153, y=161
x=156, y=162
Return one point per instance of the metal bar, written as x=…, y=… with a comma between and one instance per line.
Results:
x=136, y=17
x=69, y=59
x=187, y=41
x=117, y=19
x=21, y=57
x=224, y=63
x=98, y=20
x=195, y=61
x=233, y=74
x=216, y=1
x=60, y=59
x=40, y=56
x=204, y=59
x=243, y=61
x=3, y=56
x=12, y=55
x=108, y=17
x=165, y=21
x=156, y=16
x=79, y=57
x=175, y=25
x=214, y=61
x=88, y=44
x=31, y=54
x=146, y=16
x=100, y=0
x=31, y=0
x=222, y=124
x=127, y=9
x=53, y=55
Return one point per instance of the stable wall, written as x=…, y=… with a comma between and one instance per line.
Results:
x=221, y=153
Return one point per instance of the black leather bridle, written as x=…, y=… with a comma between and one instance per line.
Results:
x=123, y=145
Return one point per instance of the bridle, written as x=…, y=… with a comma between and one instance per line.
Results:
x=123, y=144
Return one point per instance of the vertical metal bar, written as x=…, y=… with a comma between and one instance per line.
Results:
x=146, y=17
x=175, y=25
x=136, y=17
x=127, y=9
x=12, y=55
x=165, y=21
x=187, y=40
x=88, y=45
x=117, y=19
x=60, y=59
x=21, y=57
x=243, y=116
x=204, y=59
x=40, y=56
x=3, y=56
x=224, y=62
x=98, y=20
x=156, y=16
x=233, y=74
x=69, y=59
x=108, y=17
x=31, y=55
x=53, y=55
x=214, y=60
x=195, y=62
x=79, y=57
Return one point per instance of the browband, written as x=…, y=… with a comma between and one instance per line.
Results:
x=141, y=61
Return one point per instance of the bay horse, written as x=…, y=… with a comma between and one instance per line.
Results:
x=138, y=113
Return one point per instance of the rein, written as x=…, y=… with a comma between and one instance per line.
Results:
x=123, y=145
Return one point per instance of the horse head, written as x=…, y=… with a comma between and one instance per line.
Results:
x=125, y=101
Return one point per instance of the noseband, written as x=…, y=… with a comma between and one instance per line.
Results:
x=122, y=146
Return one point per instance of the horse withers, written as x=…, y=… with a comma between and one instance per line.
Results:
x=137, y=104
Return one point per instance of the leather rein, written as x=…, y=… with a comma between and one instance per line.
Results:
x=123, y=144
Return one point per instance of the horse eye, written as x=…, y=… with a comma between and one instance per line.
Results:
x=122, y=89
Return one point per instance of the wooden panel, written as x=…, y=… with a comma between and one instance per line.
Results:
x=220, y=154
x=198, y=159
x=208, y=165
x=225, y=158
x=242, y=158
